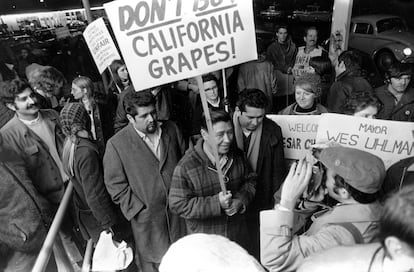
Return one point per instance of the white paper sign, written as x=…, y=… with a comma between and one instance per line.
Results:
x=100, y=44
x=299, y=133
x=389, y=140
x=167, y=40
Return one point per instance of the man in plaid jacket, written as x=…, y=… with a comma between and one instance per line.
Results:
x=195, y=192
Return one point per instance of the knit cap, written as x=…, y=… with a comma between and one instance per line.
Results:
x=74, y=118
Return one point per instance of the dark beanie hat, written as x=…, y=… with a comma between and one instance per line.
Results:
x=74, y=118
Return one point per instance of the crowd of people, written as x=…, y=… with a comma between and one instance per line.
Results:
x=143, y=167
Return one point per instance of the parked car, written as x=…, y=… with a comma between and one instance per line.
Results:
x=271, y=13
x=312, y=14
x=385, y=38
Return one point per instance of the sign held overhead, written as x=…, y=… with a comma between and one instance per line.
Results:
x=100, y=44
x=167, y=40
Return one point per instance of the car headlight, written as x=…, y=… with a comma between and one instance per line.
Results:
x=407, y=51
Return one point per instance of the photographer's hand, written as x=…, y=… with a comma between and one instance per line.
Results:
x=295, y=183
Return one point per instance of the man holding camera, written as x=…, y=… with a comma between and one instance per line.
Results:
x=352, y=178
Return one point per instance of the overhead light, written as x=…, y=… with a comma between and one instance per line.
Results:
x=407, y=51
x=41, y=1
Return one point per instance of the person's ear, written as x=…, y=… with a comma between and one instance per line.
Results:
x=237, y=109
x=130, y=118
x=204, y=134
x=344, y=193
x=394, y=247
x=11, y=106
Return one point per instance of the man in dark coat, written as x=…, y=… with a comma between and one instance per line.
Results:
x=196, y=192
x=138, y=165
x=348, y=81
x=397, y=96
x=282, y=53
x=262, y=142
x=24, y=215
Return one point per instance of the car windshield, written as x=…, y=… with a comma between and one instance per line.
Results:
x=394, y=24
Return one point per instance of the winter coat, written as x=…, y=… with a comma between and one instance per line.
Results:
x=258, y=74
x=361, y=258
x=25, y=215
x=94, y=209
x=270, y=169
x=194, y=193
x=42, y=168
x=402, y=111
x=283, y=251
x=139, y=183
x=282, y=59
x=347, y=83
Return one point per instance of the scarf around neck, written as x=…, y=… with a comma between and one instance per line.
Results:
x=254, y=145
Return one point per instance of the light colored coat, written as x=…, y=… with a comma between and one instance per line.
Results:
x=283, y=251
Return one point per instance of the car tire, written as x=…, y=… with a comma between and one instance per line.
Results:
x=384, y=60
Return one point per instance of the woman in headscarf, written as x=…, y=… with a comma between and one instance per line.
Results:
x=94, y=209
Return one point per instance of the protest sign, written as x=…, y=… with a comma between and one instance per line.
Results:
x=167, y=40
x=389, y=140
x=100, y=44
x=299, y=133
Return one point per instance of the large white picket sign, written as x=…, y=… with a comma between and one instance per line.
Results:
x=389, y=140
x=299, y=133
x=167, y=40
x=100, y=44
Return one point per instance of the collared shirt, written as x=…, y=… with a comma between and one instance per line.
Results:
x=154, y=146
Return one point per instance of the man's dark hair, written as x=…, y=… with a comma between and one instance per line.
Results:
x=398, y=69
x=134, y=99
x=359, y=101
x=253, y=98
x=322, y=65
x=359, y=196
x=209, y=77
x=216, y=116
x=279, y=26
x=351, y=59
x=305, y=33
x=11, y=88
x=397, y=217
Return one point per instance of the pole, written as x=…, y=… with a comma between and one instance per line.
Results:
x=223, y=75
x=44, y=255
x=87, y=8
x=211, y=133
x=86, y=266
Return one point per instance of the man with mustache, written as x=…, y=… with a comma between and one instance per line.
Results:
x=305, y=53
x=138, y=166
x=36, y=136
